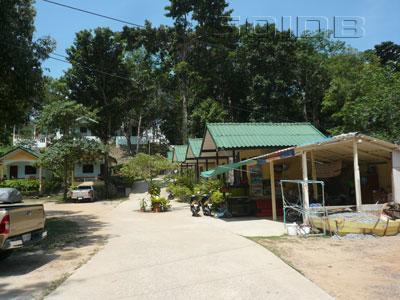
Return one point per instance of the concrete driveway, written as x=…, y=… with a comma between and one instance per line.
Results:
x=175, y=256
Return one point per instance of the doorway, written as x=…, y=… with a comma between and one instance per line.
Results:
x=13, y=172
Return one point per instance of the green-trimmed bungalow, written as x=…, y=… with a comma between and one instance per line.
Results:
x=179, y=156
x=193, y=157
x=231, y=143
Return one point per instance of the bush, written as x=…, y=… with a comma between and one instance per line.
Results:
x=154, y=189
x=162, y=202
x=208, y=186
x=217, y=197
x=23, y=185
x=181, y=192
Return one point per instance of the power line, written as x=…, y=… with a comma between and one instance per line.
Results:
x=93, y=13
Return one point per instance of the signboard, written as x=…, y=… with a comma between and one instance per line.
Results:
x=256, y=181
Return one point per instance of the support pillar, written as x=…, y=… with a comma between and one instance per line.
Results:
x=273, y=192
x=314, y=176
x=357, y=177
x=206, y=164
x=306, y=197
x=40, y=180
x=197, y=169
x=396, y=176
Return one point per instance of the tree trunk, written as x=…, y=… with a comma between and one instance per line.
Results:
x=65, y=181
x=184, y=119
x=138, y=134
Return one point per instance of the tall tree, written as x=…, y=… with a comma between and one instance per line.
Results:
x=21, y=76
x=96, y=79
x=61, y=156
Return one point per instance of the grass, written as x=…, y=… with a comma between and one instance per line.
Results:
x=55, y=284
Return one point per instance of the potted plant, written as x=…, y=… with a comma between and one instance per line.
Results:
x=156, y=204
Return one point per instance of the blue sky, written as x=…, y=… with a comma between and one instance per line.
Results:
x=382, y=18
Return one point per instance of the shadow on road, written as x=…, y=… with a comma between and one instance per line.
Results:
x=65, y=235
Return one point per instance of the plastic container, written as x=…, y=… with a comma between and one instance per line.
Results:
x=291, y=229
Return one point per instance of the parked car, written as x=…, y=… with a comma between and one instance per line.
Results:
x=85, y=191
x=20, y=224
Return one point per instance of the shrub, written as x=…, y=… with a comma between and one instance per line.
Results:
x=154, y=189
x=208, y=186
x=162, y=202
x=217, y=197
x=23, y=185
x=181, y=192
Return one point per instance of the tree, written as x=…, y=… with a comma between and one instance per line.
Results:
x=364, y=96
x=389, y=54
x=62, y=154
x=208, y=111
x=21, y=76
x=96, y=79
x=146, y=167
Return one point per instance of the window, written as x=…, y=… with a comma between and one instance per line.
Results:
x=87, y=168
x=83, y=130
x=30, y=170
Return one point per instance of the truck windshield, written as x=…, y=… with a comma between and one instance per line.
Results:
x=84, y=188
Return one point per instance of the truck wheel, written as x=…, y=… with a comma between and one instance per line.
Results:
x=4, y=254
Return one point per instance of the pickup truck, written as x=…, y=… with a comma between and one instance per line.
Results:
x=84, y=192
x=20, y=224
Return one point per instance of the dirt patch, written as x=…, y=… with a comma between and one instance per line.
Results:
x=365, y=268
x=76, y=231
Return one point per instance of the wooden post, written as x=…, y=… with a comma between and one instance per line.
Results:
x=306, y=197
x=217, y=158
x=273, y=192
x=206, y=164
x=396, y=176
x=314, y=176
x=357, y=178
x=40, y=180
x=197, y=169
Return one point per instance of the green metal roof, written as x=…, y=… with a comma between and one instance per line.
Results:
x=180, y=153
x=170, y=155
x=195, y=145
x=252, y=135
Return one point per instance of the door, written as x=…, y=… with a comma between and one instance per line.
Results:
x=13, y=172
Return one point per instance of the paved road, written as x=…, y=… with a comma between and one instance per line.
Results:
x=175, y=256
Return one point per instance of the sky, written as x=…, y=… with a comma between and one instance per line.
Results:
x=378, y=20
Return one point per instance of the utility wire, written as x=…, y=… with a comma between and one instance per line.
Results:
x=93, y=13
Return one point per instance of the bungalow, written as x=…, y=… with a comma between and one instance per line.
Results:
x=193, y=156
x=356, y=170
x=20, y=163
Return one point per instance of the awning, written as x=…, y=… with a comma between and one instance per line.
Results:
x=226, y=168
x=263, y=159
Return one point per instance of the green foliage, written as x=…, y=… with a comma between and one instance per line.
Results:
x=208, y=186
x=144, y=166
x=21, y=56
x=23, y=185
x=217, y=197
x=154, y=188
x=364, y=96
x=161, y=202
x=62, y=115
x=182, y=192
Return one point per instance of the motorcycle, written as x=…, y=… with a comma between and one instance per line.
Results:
x=195, y=206
x=206, y=205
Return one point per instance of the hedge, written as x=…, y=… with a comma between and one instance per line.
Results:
x=23, y=185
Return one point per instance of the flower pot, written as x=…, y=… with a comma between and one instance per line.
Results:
x=157, y=208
